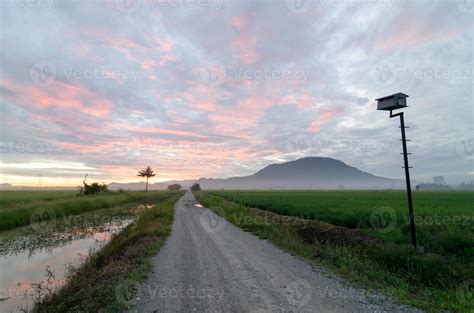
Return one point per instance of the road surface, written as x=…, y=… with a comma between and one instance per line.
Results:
x=209, y=265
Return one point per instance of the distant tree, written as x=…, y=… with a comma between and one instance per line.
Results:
x=174, y=187
x=195, y=187
x=148, y=172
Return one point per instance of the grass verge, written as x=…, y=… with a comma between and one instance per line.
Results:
x=428, y=281
x=106, y=282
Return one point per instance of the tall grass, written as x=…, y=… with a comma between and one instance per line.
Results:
x=17, y=198
x=19, y=208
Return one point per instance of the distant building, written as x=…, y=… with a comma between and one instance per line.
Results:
x=432, y=187
x=439, y=183
x=467, y=185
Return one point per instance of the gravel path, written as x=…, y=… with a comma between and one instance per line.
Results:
x=209, y=265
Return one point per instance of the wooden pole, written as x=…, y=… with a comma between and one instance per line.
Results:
x=407, y=177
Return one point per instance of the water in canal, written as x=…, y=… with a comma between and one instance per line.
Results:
x=30, y=265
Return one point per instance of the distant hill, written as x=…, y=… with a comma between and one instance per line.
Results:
x=5, y=186
x=305, y=173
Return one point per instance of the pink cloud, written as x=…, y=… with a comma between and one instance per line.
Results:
x=161, y=44
x=303, y=101
x=323, y=118
x=131, y=49
x=205, y=106
x=183, y=158
x=239, y=121
x=61, y=95
x=149, y=64
x=411, y=30
x=245, y=42
x=156, y=130
x=60, y=125
x=176, y=116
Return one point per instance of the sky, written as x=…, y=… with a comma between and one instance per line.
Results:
x=220, y=88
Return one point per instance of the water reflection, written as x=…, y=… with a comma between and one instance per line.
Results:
x=33, y=266
x=50, y=238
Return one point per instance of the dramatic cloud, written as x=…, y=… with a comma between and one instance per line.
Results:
x=218, y=88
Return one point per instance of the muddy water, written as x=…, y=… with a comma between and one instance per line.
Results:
x=28, y=273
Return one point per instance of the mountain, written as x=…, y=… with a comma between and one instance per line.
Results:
x=305, y=173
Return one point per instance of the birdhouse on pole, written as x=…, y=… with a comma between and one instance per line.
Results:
x=392, y=102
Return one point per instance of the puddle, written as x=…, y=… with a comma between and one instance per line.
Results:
x=38, y=264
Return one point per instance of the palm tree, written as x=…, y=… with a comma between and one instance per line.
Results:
x=148, y=172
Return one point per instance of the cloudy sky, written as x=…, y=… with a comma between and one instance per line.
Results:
x=217, y=88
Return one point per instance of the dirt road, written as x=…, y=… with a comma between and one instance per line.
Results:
x=209, y=265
